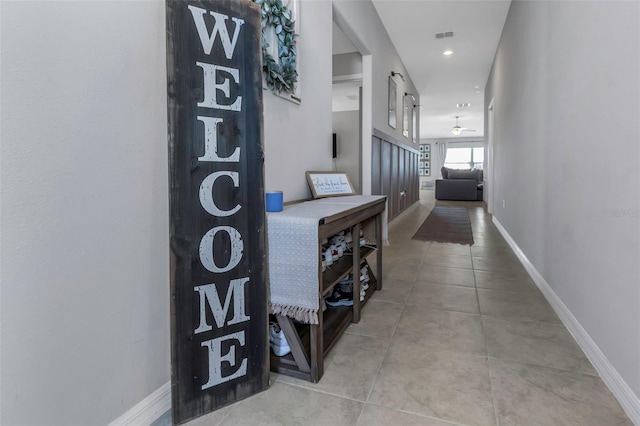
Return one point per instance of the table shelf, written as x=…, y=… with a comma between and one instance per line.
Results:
x=336, y=320
x=340, y=268
x=311, y=343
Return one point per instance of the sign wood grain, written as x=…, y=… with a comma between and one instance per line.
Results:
x=219, y=320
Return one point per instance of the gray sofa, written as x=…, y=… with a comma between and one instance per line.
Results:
x=460, y=185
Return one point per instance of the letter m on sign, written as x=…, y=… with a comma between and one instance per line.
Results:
x=219, y=320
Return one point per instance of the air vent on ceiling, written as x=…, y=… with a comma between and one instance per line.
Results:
x=444, y=34
x=465, y=105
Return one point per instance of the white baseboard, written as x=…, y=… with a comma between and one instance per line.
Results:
x=148, y=410
x=629, y=401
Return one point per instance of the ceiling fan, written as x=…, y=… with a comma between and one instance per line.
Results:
x=457, y=130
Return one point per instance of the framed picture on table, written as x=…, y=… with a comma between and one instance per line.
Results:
x=329, y=184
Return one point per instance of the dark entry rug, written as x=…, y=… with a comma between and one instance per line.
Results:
x=446, y=225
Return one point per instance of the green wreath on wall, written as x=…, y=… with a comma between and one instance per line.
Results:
x=280, y=77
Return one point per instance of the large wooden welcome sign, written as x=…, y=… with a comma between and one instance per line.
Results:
x=218, y=275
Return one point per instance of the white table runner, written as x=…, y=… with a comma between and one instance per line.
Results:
x=292, y=237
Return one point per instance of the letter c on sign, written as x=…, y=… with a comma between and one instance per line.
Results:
x=206, y=195
x=206, y=249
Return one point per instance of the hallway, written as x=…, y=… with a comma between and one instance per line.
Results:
x=458, y=335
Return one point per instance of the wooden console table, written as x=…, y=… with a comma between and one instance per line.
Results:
x=310, y=343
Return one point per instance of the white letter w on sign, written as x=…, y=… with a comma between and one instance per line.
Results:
x=220, y=26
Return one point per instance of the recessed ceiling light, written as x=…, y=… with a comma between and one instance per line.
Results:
x=447, y=52
x=464, y=105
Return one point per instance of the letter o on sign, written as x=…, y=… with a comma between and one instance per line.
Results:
x=206, y=249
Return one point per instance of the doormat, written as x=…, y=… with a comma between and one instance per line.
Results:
x=446, y=225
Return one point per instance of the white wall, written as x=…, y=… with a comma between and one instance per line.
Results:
x=361, y=23
x=298, y=138
x=567, y=94
x=85, y=246
x=347, y=64
x=346, y=124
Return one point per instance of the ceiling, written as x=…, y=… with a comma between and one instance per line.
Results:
x=346, y=96
x=444, y=81
x=340, y=42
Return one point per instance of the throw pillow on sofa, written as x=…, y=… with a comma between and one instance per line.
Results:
x=445, y=172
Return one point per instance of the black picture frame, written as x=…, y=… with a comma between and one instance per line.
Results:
x=405, y=115
x=415, y=113
x=392, y=103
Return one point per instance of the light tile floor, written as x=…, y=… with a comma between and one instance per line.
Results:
x=458, y=335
